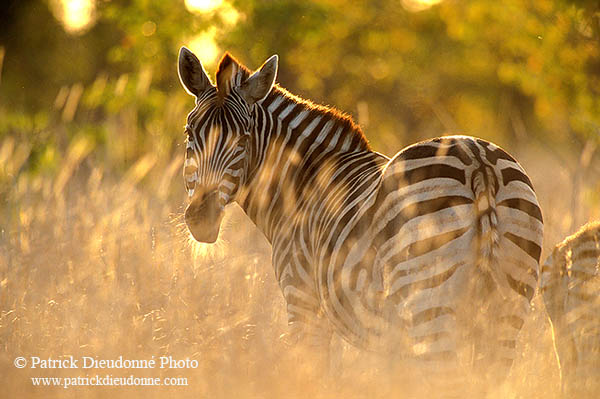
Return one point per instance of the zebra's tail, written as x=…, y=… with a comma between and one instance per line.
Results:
x=484, y=183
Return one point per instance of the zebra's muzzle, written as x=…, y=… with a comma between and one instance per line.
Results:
x=203, y=217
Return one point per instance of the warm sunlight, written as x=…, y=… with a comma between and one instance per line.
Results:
x=76, y=16
x=419, y=5
x=205, y=47
x=229, y=14
x=202, y=6
x=226, y=11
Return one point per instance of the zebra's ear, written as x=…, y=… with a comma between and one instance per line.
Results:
x=257, y=86
x=192, y=75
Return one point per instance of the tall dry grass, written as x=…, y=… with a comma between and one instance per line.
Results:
x=100, y=266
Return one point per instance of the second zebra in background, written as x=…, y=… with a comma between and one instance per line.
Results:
x=571, y=290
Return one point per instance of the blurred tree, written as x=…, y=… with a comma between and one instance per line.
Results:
x=505, y=71
x=502, y=70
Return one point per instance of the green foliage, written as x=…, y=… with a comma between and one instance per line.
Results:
x=505, y=71
x=477, y=66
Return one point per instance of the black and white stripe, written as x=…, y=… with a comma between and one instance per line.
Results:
x=571, y=290
x=432, y=254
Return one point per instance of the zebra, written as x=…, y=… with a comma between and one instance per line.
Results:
x=432, y=254
x=570, y=286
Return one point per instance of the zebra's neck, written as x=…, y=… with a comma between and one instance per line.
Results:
x=295, y=158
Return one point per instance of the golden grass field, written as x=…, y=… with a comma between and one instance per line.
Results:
x=100, y=266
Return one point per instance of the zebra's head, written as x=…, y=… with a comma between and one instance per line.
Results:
x=218, y=136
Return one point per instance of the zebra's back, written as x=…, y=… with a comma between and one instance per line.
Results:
x=571, y=291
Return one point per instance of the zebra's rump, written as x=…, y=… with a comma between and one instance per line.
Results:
x=455, y=229
x=443, y=196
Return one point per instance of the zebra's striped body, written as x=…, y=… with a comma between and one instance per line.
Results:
x=409, y=253
x=571, y=290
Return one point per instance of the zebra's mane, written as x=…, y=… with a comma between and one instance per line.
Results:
x=340, y=118
x=231, y=72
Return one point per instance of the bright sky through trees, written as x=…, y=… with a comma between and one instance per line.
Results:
x=203, y=5
x=75, y=15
